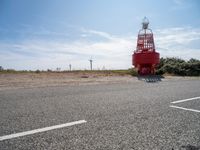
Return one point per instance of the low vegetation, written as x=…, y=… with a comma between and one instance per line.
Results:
x=177, y=66
x=122, y=72
x=167, y=66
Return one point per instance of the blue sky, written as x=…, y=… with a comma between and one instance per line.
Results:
x=42, y=34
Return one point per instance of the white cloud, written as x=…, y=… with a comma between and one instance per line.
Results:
x=178, y=2
x=52, y=54
x=114, y=52
x=181, y=4
x=178, y=42
x=98, y=33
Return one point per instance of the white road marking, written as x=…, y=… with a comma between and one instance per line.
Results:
x=188, y=109
x=184, y=100
x=15, y=135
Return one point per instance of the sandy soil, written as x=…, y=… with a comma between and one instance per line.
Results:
x=28, y=80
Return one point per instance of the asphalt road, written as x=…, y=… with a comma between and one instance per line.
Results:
x=122, y=116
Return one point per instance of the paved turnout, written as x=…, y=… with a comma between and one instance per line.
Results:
x=125, y=116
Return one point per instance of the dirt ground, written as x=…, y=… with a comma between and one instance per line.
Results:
x=26, y=80
x=46, y=79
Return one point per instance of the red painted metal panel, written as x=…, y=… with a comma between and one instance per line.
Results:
x=145, y=58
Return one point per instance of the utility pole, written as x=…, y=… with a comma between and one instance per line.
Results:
x=91, y=63
x=70, y=67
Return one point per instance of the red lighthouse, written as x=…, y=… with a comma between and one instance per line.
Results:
x=145, y=58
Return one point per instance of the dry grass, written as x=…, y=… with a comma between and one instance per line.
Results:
x=43, y=79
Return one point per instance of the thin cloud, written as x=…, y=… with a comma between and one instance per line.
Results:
x=114, y=52
x=98, y=33
x=178, y=2
x=177, y=42
x=181, y=4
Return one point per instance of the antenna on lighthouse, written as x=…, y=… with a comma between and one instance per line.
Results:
x=145, y=23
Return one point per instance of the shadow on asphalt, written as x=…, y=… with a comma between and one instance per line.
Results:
x=150, y=78
x=190, y=147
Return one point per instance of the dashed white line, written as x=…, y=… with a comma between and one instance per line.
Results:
x=11, y=136
x=188, y=109
x=184, y=100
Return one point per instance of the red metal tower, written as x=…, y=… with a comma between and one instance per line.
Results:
x=145, y=58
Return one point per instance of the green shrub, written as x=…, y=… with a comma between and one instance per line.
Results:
x=133, y=72
x=37, y=71
x=177, y=66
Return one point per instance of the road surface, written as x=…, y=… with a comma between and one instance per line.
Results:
x=125, y=116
